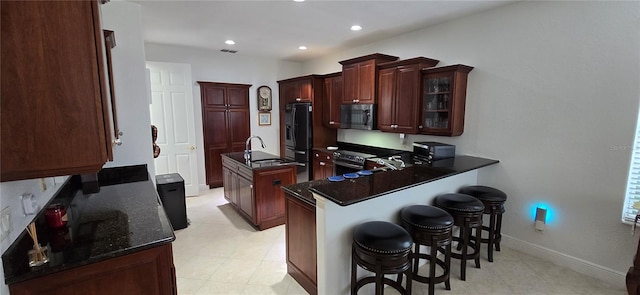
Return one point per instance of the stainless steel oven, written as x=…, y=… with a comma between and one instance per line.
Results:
x=345, y=161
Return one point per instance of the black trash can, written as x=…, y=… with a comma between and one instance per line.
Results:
x=171, y=190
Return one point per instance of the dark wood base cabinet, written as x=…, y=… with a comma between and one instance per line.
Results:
x=146, y=272
x=301, y=243
x=256, y=193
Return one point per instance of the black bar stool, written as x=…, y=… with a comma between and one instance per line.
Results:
x=493, y=200
x=429, y=226
x=467, y=215
x=382, y=248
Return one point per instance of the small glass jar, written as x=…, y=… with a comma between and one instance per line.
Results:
x=38, y=256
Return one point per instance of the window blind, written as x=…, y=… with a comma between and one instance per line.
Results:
x=632, y=197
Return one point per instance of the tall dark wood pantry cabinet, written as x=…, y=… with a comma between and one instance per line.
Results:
x=225, y=123
x=55, y=106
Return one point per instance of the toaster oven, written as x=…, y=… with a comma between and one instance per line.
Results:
x=432, y=151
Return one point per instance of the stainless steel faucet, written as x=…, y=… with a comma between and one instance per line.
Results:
x=247, y=151
x=386, y=164
x=398, y=159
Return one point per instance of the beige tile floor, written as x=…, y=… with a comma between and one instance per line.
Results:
x=219, y=253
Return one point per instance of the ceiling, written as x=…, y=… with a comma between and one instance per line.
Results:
x=275, y=29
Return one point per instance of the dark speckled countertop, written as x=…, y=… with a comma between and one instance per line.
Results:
x=256, y=160
x=350, y=191
x=120, y=219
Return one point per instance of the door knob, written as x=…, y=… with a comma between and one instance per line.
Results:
x=191, y=148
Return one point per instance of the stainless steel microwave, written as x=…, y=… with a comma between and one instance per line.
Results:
x=358, y=116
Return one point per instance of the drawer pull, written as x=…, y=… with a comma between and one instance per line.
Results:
x=276, y=182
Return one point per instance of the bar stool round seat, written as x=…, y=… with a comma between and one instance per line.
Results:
x=493, y=200
x=429, y=226
x=382, y=248
x=467, y=216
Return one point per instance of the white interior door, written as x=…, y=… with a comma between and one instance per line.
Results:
x=172, y=112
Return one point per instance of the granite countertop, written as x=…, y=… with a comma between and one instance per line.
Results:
x=259, y=160
x=119, y=219
x=351, y=191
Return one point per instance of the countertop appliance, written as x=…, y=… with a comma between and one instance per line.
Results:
x=358, y=116
x=429, y=151
x=298, y=137
x=345, y=161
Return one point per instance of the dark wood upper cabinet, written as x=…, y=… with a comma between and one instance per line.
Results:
x=55, y=108
x=226, y=124
x=400, y=93
x=443, y=100
x=332, y=100
x=359, y=77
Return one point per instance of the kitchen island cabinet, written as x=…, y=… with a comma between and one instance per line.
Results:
x=253, y=188
x=116, y=241
x=359, y=78
x=56, y=117
x=339, y=206
x=400, y=93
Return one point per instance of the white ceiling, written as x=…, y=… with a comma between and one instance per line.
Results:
x=276, y=28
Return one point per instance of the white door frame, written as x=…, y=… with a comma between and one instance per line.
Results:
x=172, y=112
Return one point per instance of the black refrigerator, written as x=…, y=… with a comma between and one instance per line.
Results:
x=298, y=137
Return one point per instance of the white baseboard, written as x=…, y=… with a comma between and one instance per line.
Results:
x=204, y=187
x=610, y=276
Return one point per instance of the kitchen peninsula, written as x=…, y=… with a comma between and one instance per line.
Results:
x=339, y=206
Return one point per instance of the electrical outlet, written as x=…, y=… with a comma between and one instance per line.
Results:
x=5, y=223
x=29, y=204
x=43, y=184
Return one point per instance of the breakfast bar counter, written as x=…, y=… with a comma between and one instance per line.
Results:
x=341, y=205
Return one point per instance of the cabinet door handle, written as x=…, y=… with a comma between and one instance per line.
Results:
x=322, y=164
x=331, y=122
x=276, y=182
x=317, y=155
x=298, y=99
x=328, y=158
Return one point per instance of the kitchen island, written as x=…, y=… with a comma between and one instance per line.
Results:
x=339, y=206
x=253, y=186
x=116, y=241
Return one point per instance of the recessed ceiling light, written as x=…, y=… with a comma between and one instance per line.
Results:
x=356, y=28
x=302, y=47
x=298, y=0
x=229, y=42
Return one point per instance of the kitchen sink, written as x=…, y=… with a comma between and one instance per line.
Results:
x=269, y=162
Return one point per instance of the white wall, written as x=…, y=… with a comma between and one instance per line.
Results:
x=129, y=75
x=133, y=116
x=212, y=66
x=553, y=96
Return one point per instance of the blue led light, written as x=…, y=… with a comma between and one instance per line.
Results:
x=542, y=205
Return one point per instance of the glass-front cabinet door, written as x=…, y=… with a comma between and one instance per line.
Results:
x=443, y=100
